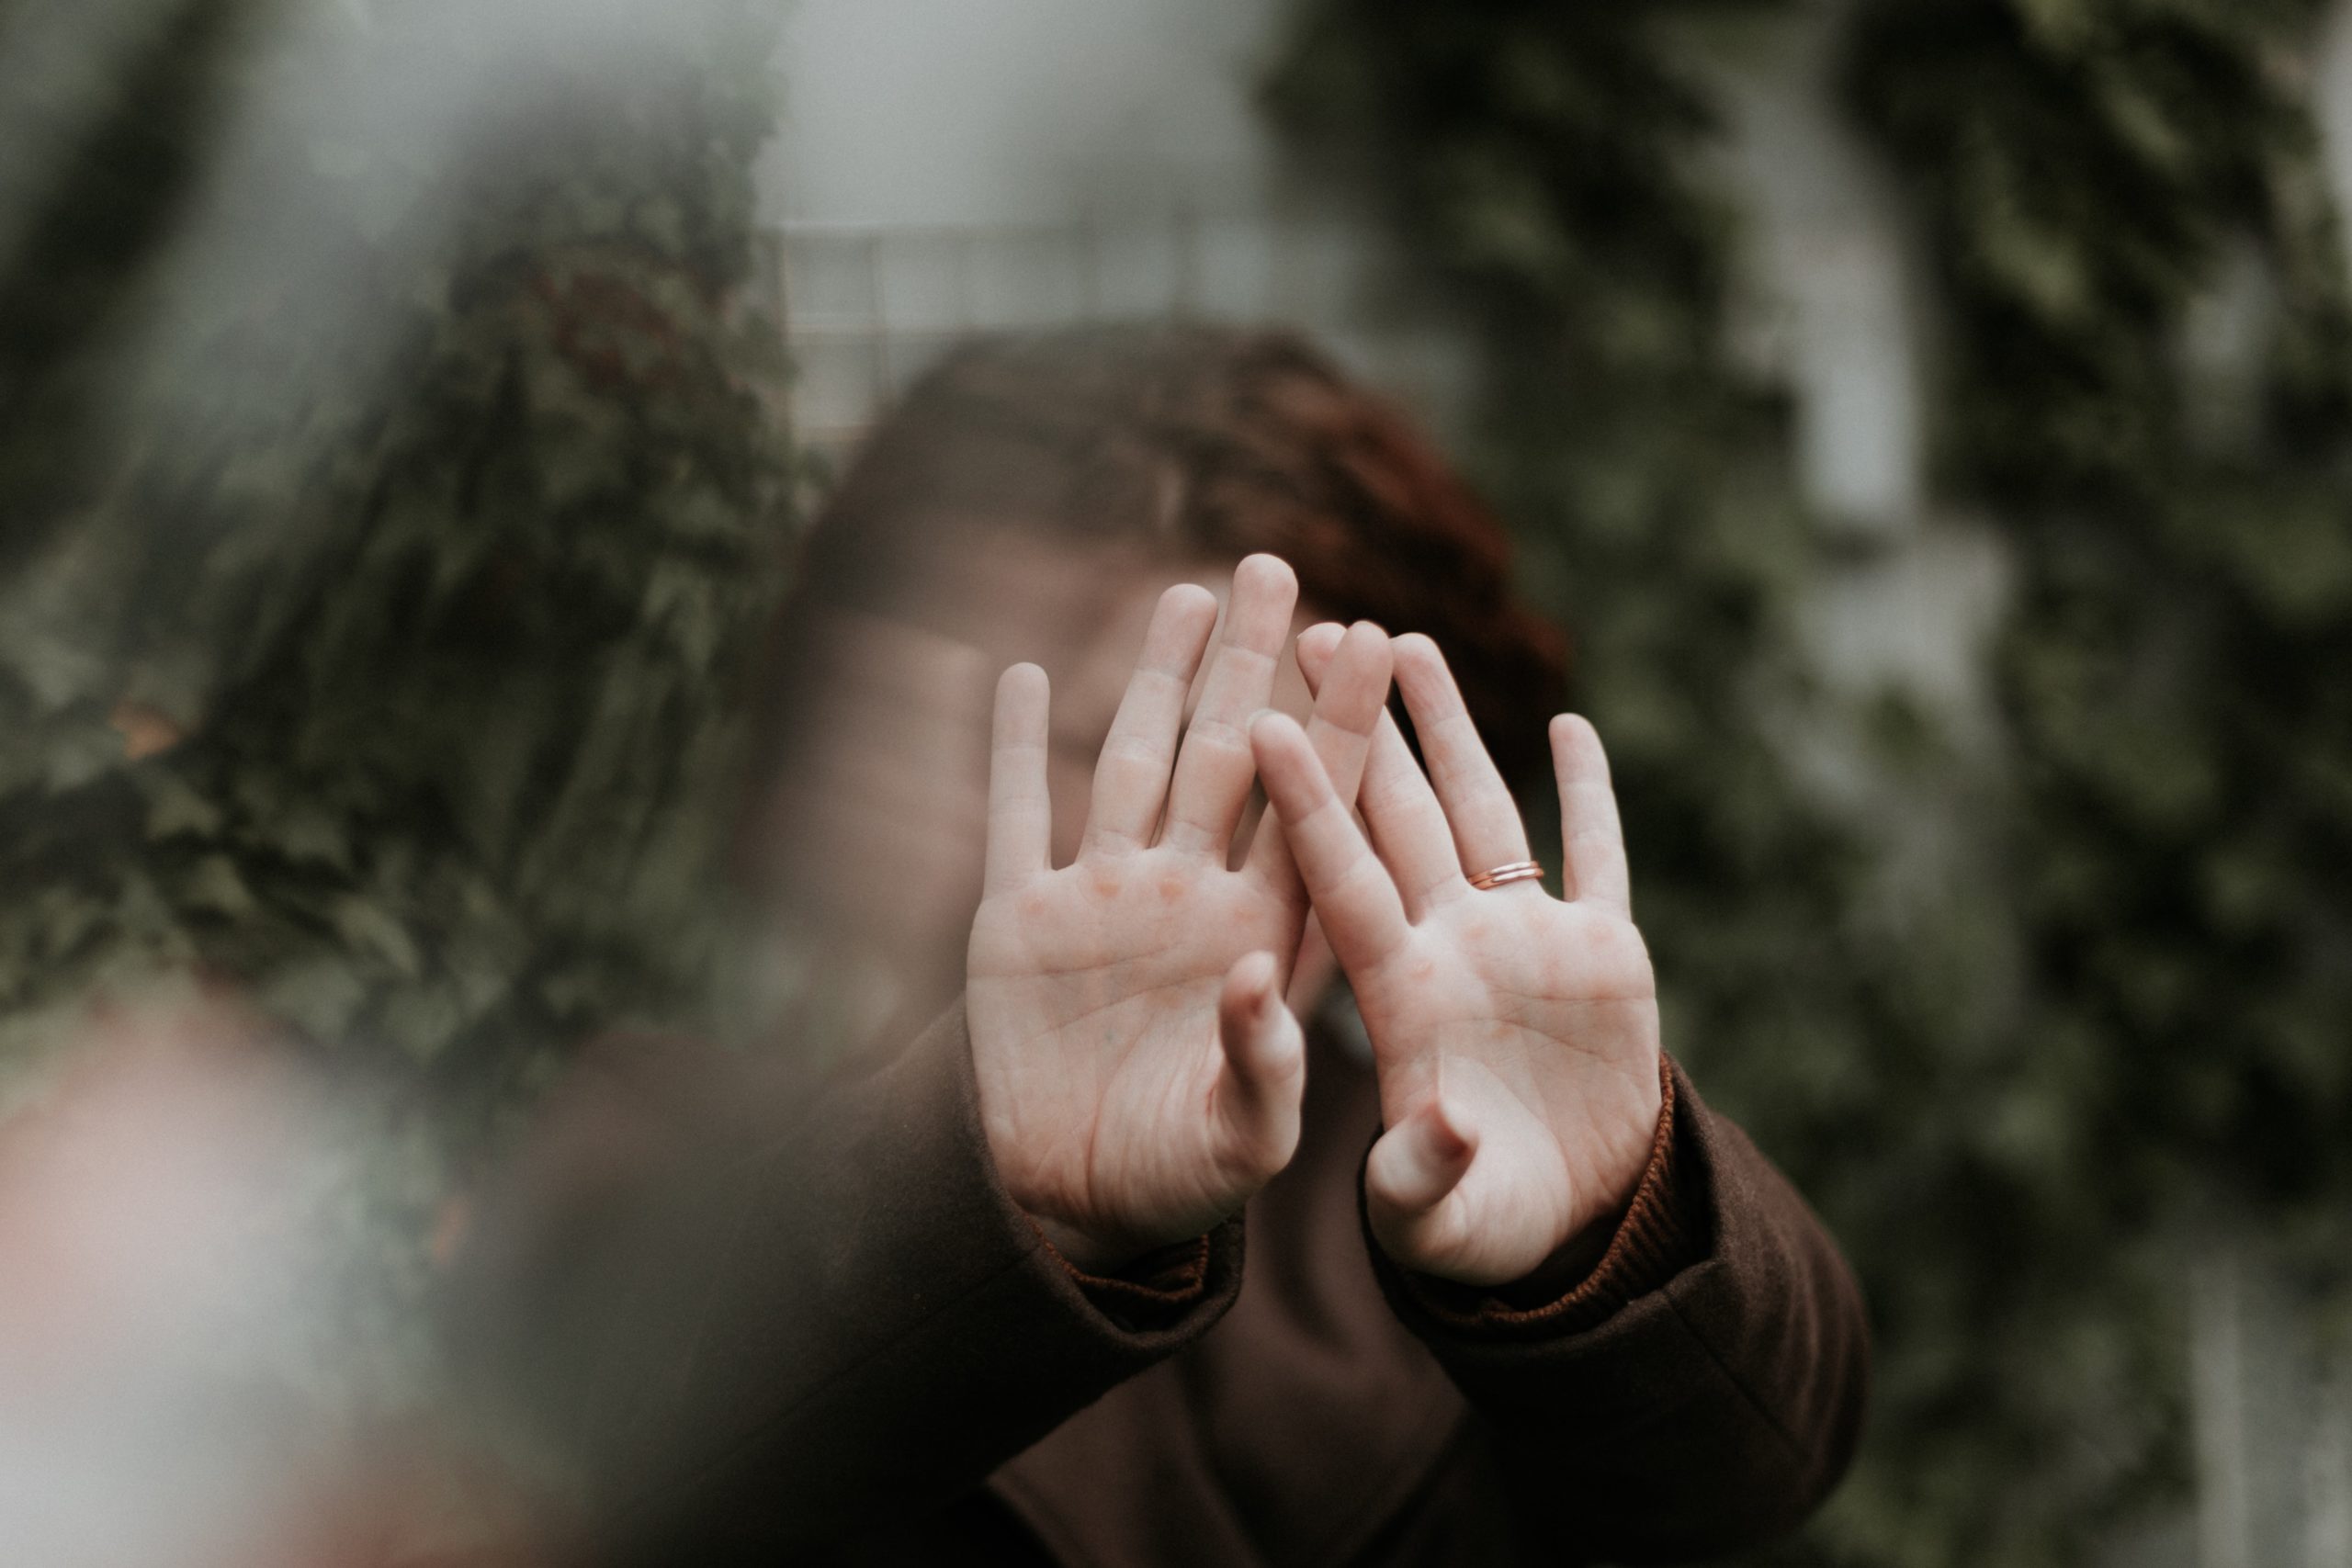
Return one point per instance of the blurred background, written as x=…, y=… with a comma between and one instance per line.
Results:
x=1930, y=419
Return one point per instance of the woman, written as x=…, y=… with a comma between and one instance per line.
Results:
x=1029, y=499
x=982, y=1296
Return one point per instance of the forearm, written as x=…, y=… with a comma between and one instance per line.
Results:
x=774, y=1335
x=1701, y=1391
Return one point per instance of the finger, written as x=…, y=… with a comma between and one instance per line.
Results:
x=1408, y=827
x=1131, y=776
x=1263, y=1073
x=1020, y=810
x=1358, y=904
x=1592, y=839
x=1316, y=646
x=1348, y=707
x=1485, y=818
x=1215, y=769
x=1414, y=1167
x=1261, y=841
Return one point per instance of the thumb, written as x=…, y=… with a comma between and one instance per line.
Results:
x=1414, y=1167
x=1263, y=1072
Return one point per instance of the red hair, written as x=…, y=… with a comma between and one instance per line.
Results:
x=1198, y=442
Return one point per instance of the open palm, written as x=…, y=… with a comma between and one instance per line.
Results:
x=1140, y=1077
x=1515, y=1035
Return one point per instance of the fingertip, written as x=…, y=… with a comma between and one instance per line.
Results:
x=1262, y=1043
x=1252, y=979
x=1284, y=756
x=1444, y=1137
x=1417, y=1162
x=1369, y=643
x=1187, y=599
x=1266, y=571
x=1420, y=669
x=1317, y=646
x=1573, y=737
x=1272, y=727
x=1022, y=692
x=1319, y=641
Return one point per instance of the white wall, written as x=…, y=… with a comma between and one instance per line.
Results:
x=932, y=112
x=951, y=164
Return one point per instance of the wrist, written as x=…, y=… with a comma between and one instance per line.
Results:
x=1569, y=1265
x=1552, y=1272
x=1549, y=1208
x=1083, y=1250
x=1616, y=1257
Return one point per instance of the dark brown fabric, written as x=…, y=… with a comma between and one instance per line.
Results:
x=1154, y=1290
x=1709, y=1413
x=826, y=1336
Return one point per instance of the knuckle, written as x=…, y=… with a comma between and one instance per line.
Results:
x=1126, y=746
x=1217, y=736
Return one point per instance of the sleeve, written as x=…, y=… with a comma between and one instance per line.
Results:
x=787, y=1315
x=1699, y=1391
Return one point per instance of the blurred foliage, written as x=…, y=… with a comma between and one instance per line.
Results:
x=386, y=518
x=2112, y=998
x=2147, y=383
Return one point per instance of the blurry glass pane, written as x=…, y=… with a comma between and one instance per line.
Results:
x=1235, y=267
x=920, y=279
x=1026, y=277
x=838, y=381
x=1141, y=270
x=1318, y=268
x=828, y=279
x=907, y=355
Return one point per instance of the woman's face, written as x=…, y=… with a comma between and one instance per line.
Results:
x=880, y=822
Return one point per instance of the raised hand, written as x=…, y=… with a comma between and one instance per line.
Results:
x=1140, y=1077
x=1515, y=1035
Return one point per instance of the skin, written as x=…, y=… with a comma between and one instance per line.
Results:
x=877, y=831
x=1140, y=1076
x=1515, y=1035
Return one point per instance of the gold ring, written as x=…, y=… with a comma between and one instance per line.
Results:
x=1516, y=871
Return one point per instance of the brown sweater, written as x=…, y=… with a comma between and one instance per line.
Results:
x=797, y=1327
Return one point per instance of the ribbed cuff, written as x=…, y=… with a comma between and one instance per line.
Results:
x=1652, y=1242
x=1153, y=1291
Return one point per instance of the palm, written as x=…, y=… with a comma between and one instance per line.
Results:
x=1515, y=1035
x=1138, y=1074
x=1539, y=1030
x=1119, y=969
